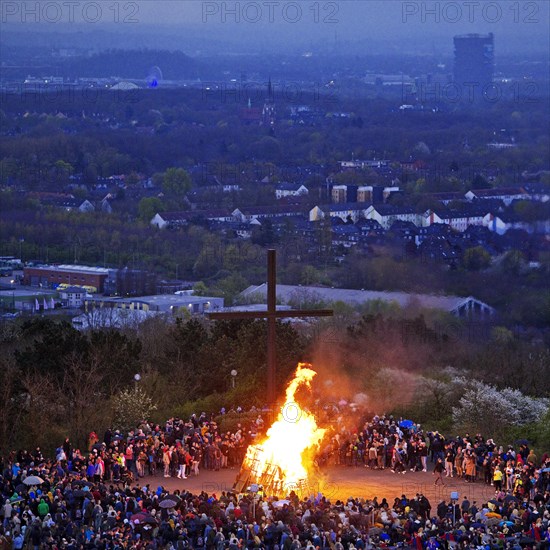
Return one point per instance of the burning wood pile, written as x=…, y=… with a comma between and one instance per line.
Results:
x=282, y=461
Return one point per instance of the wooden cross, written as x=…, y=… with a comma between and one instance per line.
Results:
x=271, y=315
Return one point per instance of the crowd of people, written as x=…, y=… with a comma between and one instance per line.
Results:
x=97, y=500
x=401, y=446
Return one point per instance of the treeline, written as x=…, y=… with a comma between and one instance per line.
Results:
x=94, y=132
x=56, y=381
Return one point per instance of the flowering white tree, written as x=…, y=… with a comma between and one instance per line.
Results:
x=527, y=409
x=131, y=406
x=485, y=408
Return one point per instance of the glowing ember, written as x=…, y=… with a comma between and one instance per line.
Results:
x=281, y=462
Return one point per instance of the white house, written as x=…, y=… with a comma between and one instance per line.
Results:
x=174, y=219
x=73, y=205
x=249, y=213
x=160, y=220
x=538, y=191
x=505, y=194
x=459, y=221
x=290, y=190
x=500, y=223
x=344, y=211
x=386, y=214
x=244, y=230
x=362, y=164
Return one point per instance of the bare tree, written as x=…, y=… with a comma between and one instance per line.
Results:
x=10, y=401
x=84, y=397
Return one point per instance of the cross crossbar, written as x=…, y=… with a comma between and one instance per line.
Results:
x=271, y=314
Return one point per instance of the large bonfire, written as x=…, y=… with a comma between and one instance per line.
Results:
x=282, y=461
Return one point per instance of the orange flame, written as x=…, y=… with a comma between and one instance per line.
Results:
x=281, y=462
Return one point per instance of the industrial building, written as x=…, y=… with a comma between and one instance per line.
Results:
x=50, y=276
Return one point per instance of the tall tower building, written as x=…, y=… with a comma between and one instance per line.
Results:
x=474, y=62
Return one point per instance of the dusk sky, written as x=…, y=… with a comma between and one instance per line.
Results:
x=291, y=26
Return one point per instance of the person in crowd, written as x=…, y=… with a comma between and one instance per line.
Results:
x=439, y=468
x=90, y=501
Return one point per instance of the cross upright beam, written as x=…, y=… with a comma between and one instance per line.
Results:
x=271, y=314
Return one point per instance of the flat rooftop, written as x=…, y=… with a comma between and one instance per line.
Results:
x=161, y=300
x=73, y=269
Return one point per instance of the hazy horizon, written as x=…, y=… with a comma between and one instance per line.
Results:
x=341, y=26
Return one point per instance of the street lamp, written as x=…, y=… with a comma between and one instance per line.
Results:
x=233, y=376
x=137, y=378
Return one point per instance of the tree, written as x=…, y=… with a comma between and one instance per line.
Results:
x=512, y=262
x=309, y=276
x=131, y=406
x=476, y=258
x=479, y=182
x=502, y=336
x=210, y=258
x=132, y=178
x=148, y=207
x=176, y=181
x=81, y=392
x=10, y=405
x=231, y=286
x=200, y=289
x=63, y=170
x=264, y=234
x=484, y=409
x=48, y=345
x=421, y=150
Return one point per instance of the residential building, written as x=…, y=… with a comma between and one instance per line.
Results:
x=64, y=201
x=457, y=220
x=537, y=191
x=339, y=194
x=505, y=194
x=387, y=191
x=178, y=219
x=504, y=221
x=362, y=164
x=386, y=214
x=345, y=211
x=248, y=213
x=365, y=193
x=446, y=197
x=345, y=235
x=375, y=194
x=290, y=190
